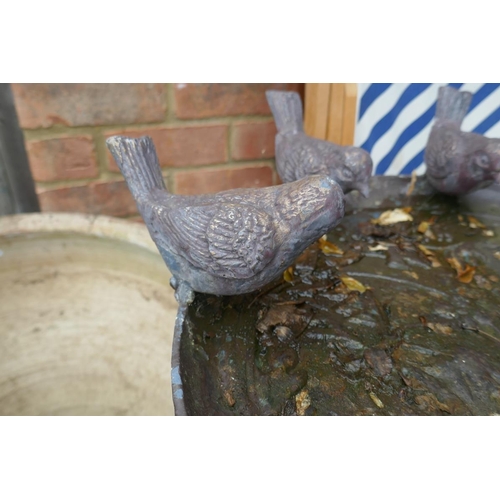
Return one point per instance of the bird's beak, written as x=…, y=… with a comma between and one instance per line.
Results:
x=364, y=190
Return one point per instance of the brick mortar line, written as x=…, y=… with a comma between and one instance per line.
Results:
x=60, y=131
x=168, y=173
x=232, y=118
x=67, y=183
x=228, y=166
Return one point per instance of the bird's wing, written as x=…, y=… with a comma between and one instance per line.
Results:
x=229, y=239
x=442, y=147
x=331, y=154
x=304, y=160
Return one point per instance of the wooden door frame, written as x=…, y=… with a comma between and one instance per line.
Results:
x=330, y=111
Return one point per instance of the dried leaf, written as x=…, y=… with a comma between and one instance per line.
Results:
x=429, y=255
x=460, y=218
x=229, y=398
x=488, y=232
x=464, y=275
x=302, y=402
x=376, y=400
x=413, y=181
x=426, y=251
x=425, y=228
x=434, y=261
x=353, y=285
x=378, y=248
x=283, y=333
x=493, y=278
x=455, y=264
x=288, y=275
x=329, y=248
x=430, y=401
x=422, y=227
x=474, y=223
x=413, y=274
x=393, y=217
x=467, y=274
x=439, y=328
x=497, y=255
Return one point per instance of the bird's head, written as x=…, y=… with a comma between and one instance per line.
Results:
x=356, y=171
x=483, y=166
x=313, y=204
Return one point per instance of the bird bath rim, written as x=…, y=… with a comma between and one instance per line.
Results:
x=386, y=192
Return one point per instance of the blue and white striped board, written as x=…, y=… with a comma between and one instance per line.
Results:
x=394, y=121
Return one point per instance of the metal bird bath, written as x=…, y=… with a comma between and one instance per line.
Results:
x=416, y=333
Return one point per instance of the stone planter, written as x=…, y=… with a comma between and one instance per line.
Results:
x=86, y=317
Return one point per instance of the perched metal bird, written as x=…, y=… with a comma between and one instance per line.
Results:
x=231, y=242
x=298, y=155
x=459, y=162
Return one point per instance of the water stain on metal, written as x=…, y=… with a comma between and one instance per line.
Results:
x=423, y=343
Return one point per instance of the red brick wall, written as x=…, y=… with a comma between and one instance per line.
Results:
x=209, y=137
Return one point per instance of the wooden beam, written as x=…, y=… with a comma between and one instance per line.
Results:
x=330, y=111
x=316, y=109
x=349, y=121
x=336, y=113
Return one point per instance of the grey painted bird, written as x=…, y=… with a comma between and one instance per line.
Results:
x=231, y=242
x=298, y=155
x=459, y=162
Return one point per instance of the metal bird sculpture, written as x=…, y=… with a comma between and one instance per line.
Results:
x=231, y=242
x=298, y=155
x=459, y=162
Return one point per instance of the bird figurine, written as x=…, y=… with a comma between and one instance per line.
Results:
x=459, y=162
x=231, y=242
x=298, y=155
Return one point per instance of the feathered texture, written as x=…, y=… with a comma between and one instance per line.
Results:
x=459, y=162
x=139, y=164
x=298, y=155
x=452, y=105
x=230, y=242
x=287, y=110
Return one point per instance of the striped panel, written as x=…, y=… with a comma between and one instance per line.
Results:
x=394, y=121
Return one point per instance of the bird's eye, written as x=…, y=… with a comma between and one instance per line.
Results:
x=483, y=161
x=347, y=173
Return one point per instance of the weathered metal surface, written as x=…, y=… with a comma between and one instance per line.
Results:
x=459, y=162
x=423, y=337
x=231, y=242
x=298, y=155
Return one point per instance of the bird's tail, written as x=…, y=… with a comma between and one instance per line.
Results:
x=452, y=105
x=287, y=110
x=138, y=162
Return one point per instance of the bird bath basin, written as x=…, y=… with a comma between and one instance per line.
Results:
x=404, y=322
x=86, y=318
